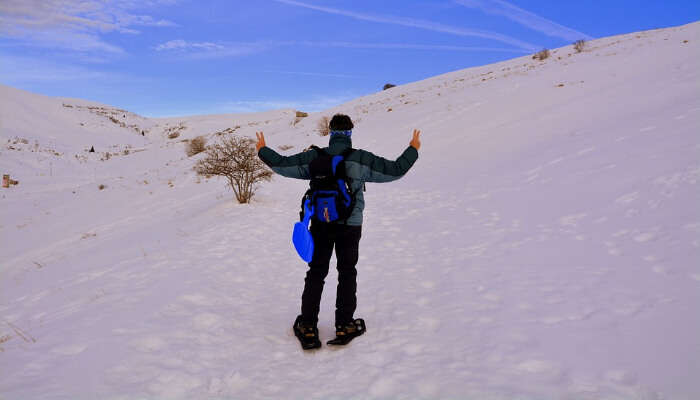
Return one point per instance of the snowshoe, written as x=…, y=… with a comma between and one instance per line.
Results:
x=345, y=333
x=307, y=334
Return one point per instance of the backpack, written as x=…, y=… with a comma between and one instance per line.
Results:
x=329, y=193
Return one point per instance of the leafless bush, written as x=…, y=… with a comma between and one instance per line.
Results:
x=173, y=132
x=579, y=45
x=227, y=131
x=323, y=126
x=285, y=147
x=101, y=187
x=236, y=160
x=196, y=146
x=541, y=55
x=298, y=117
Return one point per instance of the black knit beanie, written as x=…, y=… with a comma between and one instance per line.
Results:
x=340, y=122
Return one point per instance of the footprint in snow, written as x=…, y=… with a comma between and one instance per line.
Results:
x=413, y=349
x=492, y=297
x=422, y=301
x=206, y=321
x=663, y=270
x=197, y=299
x=627, y=198
x=428, y=389
x=428, y=323
x=586, y=150
x=149, y=344
x=428, y=284
x=621, y=377
x=614, y=251
x=541, y=370
x=383, y=388
x=69, y=350
x=571, y=220
x=644, y=237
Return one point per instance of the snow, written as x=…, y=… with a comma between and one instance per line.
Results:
x=544, y=246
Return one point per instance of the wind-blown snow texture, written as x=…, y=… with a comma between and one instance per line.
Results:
x=544, y=246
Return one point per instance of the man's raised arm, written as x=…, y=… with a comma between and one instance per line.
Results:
x=295, y=166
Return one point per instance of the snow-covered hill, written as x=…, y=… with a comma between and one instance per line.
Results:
x=544, y=246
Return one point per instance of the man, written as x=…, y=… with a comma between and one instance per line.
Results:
x=360, y=167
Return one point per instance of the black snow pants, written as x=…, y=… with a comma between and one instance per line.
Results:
x=346, y=239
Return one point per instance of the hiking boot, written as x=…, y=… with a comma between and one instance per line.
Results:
x=307, y=334
x=346, y=332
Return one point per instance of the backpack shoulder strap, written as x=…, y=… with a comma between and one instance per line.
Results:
x=341, y=158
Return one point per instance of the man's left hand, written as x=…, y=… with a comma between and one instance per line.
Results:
x=261, y=141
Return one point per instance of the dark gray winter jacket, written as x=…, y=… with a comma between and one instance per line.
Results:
x=360, y=166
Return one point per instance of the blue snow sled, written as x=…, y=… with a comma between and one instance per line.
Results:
x=302, y=239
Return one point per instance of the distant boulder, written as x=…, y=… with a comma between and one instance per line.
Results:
x=388, y=86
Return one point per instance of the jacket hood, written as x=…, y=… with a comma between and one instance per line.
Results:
x=340, y=142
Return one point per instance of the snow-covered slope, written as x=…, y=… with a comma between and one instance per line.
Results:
x=544, y=246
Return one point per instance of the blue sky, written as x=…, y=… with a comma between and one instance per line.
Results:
x=179, y=57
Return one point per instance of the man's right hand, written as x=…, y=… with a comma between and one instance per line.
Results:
x=415, y=142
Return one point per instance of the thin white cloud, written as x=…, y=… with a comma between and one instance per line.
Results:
x=210, y=50
x=310, y=104
x=525, y=18
x=74, y=24
x=417, y=23
x=319, y=74
x=408, y=46
x=180, y=44
x=26, y=70
x=314, y=104
x=76, y=41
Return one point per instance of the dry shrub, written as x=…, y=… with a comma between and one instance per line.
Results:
x=323, y=126
x=285, y=147
x=579, y=45
x=541, y=55
x=298, y=117
x=236, y=160
x=388, y=86
x=173, y=135
x=196, y=146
